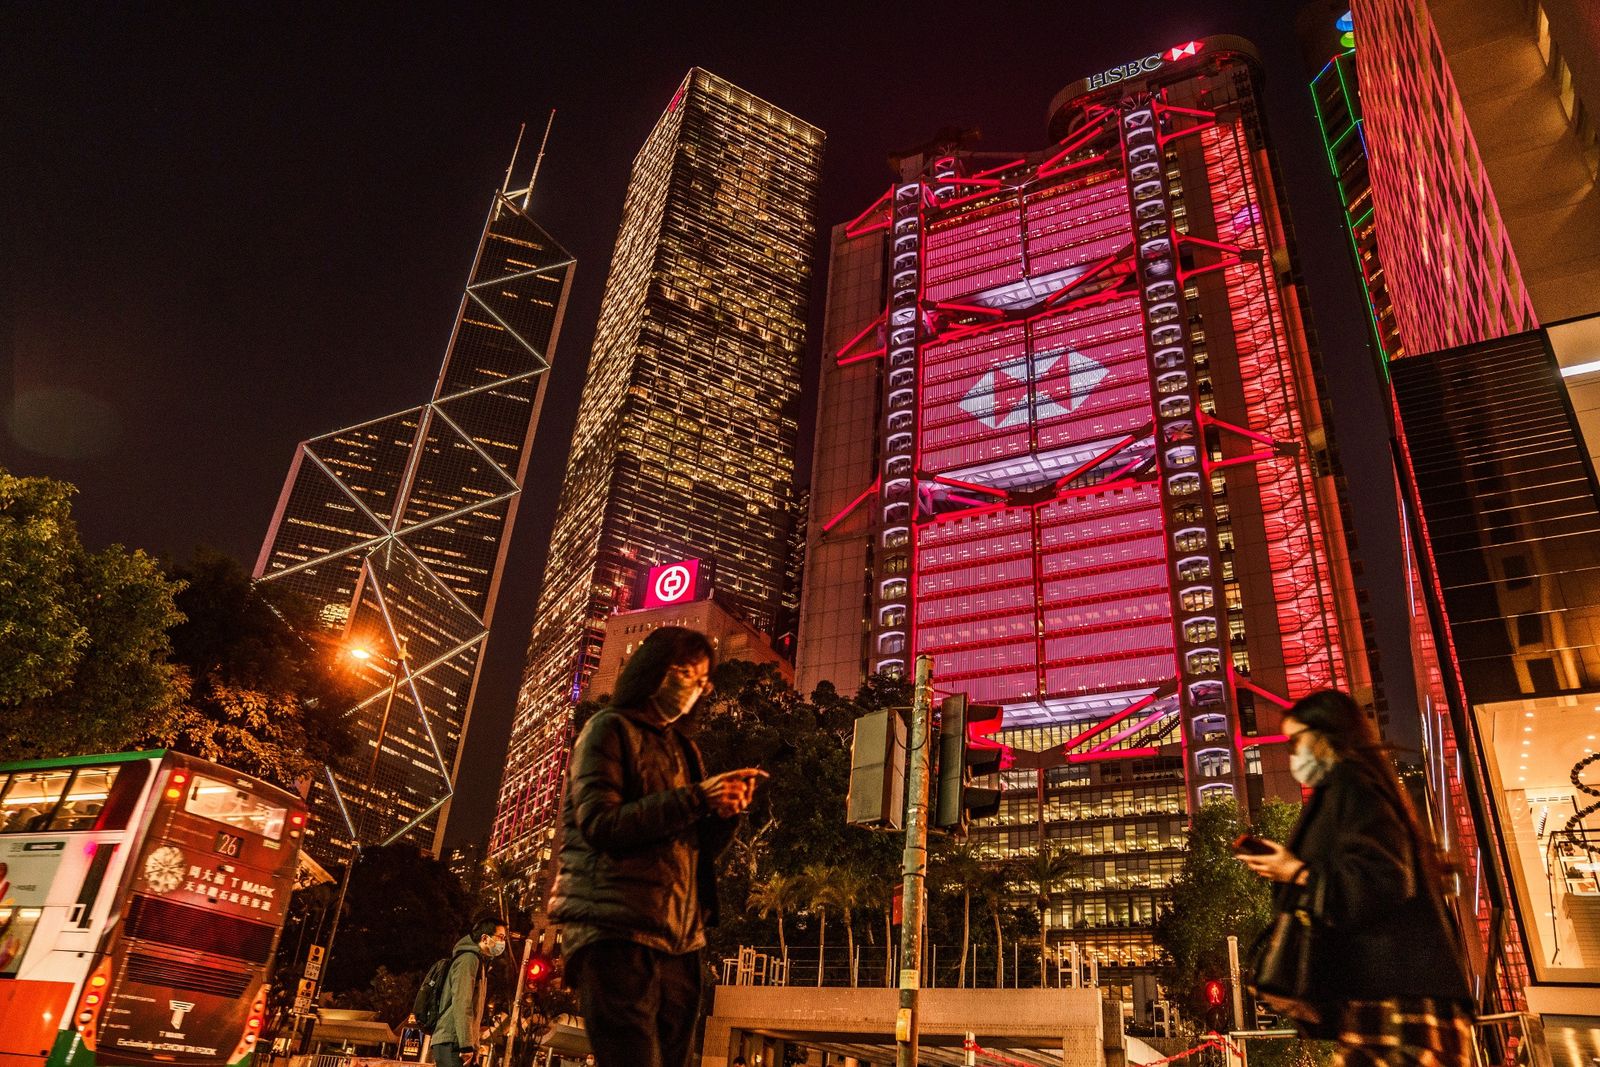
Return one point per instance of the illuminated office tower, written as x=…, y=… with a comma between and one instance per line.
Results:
x=396, y=530
x=1479, y=120
x=684, y=446
x=1071, y=434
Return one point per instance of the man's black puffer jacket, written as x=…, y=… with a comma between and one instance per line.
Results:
x=638, y=857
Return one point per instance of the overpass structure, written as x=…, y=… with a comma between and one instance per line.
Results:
x=1012, y=1027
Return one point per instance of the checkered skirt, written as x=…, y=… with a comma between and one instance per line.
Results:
x=1404, y=1032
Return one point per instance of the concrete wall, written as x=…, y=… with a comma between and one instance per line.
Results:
x=1071, y=1020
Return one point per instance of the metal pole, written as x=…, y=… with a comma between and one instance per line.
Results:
x=914, y=868
x=1233, y=981
x=516, y=1001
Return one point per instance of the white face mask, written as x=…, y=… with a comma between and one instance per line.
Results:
x=496, y=946
x=1307, y=769
x=677, y=696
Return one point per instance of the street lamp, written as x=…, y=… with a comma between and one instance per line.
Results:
x=361, y=653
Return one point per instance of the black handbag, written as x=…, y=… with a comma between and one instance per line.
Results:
x=1283, y=958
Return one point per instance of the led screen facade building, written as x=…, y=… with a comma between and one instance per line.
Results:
x=684, y=446
x=1092, y=477
x=396, y=530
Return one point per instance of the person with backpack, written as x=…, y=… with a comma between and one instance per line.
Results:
x=450, y=1001
x=643, y=825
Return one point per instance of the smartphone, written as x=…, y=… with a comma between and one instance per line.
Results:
x=1251, y=845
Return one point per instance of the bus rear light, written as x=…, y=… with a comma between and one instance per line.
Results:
x=174, y=793
x=92, y=999
x=84, y=1017
x=98, y=980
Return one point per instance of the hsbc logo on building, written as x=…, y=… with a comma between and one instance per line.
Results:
x=1062, y=380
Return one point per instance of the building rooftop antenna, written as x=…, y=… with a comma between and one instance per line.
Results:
x=538, y=159
x=505, y=186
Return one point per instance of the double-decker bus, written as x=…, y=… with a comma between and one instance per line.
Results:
x=141, y=899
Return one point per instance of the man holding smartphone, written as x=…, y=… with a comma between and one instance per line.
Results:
x=636, y=884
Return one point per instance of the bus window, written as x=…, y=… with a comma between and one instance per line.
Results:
x=30, y=798
x=85, y=798
x=225, y=803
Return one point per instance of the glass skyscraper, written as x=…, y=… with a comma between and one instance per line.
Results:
x=684, y=446
x=1072, y=447
x=395, y=530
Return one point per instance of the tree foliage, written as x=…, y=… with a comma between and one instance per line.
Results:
x=83, y=635
x=1214, y=896
x=403, y=911
x=267, y=691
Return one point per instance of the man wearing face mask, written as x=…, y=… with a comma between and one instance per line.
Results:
x=455, y=1036
x=636, y=883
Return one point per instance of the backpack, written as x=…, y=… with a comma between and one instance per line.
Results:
x=429, y=1005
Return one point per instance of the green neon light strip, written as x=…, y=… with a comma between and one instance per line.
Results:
x=1352, y=108
x=82, y=761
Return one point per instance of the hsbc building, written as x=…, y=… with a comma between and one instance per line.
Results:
x=1071, y=445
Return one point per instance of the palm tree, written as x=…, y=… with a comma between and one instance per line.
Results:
x=1043, y=872
x=879, y=894
x=777, y=895
x=960, y=869
x=990, y=889
x=851, y=889
x=820, y=896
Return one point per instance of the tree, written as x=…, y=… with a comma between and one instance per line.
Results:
x=403, y=911
x=1214, y=896
x=1043, y=872
x=960, y=869
x=83, y=635
x=778, y=894
x=990, y=890
x=820, y=896
x=268, y=692
x=850, y=891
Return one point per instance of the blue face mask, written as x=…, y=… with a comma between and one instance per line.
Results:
x=497, y=947
x=1308, y=769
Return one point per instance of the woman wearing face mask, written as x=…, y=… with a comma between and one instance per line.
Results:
x=1387, y=979
x=636, y=882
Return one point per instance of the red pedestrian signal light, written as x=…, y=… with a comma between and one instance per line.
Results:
x=538, y=970
x=1216, y=992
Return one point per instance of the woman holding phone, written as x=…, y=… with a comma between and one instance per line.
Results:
x=1387, y=979
x=636, y=886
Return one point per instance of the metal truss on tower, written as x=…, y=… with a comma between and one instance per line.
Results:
x=395, y=530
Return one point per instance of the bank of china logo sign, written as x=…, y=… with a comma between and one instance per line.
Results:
x=1062, y=381
x=672, y=583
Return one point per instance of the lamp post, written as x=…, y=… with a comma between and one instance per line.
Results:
x=361, y=653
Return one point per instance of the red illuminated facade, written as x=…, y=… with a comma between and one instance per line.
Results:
x=1099, y=487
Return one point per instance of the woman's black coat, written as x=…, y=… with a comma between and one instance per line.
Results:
x=1383, y=931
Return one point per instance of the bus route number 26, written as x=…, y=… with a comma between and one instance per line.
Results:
x=228, y=844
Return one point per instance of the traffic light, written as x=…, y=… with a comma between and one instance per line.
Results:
x=967, y=751
x=1217, y=1005
x=539, y=970
x=877, y=796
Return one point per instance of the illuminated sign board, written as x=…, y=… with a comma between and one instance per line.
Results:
x=672, y=583
x=1149, y=64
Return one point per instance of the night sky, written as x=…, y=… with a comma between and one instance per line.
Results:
x=227, y=232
